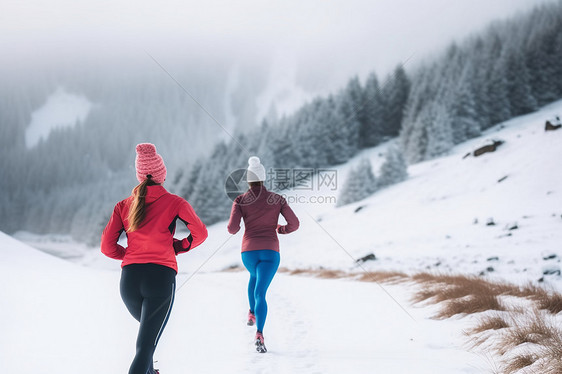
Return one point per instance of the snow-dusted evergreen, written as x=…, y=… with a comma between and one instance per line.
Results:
x=394, y=169
x=373, y=128
x=359, y=184
x=511, y=69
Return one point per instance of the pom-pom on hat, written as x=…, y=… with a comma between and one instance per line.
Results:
x=256, y=171
x=148, y=162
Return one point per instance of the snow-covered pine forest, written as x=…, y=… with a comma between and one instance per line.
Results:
x=511, y=68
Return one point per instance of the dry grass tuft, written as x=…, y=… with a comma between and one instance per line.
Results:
x=331, y=274
x=301, y=272
x=490, y=322
x=552, y=302
x=529, y=340
x=516, y=331
x=469, y=305
x=461, y=294
x=553, y=353
x=379, y=276
x=520, y=362
x=383, y=277
x=534, y=335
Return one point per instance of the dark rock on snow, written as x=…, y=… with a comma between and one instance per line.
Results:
x=488, y=148
x=550, y=127
x=369, y=257
x=358, y=208
x=502, y=179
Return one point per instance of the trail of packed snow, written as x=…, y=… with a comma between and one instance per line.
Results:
x=59, y=317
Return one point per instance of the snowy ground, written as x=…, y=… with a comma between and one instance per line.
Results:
x=64, y=318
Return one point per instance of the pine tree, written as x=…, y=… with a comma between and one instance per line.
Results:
x=413, y=135
x=542, y=65
x=518, y=79
x=359, y=184
x=395, y=93
x=350, y=105
x=371, y=132
x=438, y=132
x=320, y=133
x=266, y=154
x=499, y=108
x=343, y=129
x=462, y=111
x=188, y=184
x=394, y=169
x=557, y=52
x=478, y=75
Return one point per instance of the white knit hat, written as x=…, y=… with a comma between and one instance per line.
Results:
x=256, y=171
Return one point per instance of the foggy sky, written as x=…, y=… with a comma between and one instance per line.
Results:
x=322, y=43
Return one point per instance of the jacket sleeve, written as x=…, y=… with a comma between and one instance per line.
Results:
x=290, y=217
x=110, y=236
x=235, y=217
x=196, y=227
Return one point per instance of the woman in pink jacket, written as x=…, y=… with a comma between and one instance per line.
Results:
x=260, y=210
x=149, y=268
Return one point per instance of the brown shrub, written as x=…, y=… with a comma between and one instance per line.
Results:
x=462, y=294
x=553, y=353
x=424, y=277
x=469, y=305
x=519, y=362
x=531, y=328
x=382, y=276
x=490, y=322
x=551, y=302
x=330, y=274
x=301, y=272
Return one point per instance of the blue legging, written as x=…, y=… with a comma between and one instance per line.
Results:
x=262, y=265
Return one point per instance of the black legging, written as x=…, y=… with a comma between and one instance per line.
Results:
x=148, y=292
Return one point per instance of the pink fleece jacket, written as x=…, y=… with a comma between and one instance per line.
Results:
x=260, y=210
x=153, y=242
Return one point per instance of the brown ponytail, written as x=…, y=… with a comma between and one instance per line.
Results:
x=137, y=210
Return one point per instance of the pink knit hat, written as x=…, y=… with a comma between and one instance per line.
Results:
x=148, y=162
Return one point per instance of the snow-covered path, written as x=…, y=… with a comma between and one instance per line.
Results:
x=314, y=326
x=60, y=317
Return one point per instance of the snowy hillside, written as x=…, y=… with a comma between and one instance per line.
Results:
x=437, y=219
x=440, y=214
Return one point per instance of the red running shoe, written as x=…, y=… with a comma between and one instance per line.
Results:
x=260, y=345
x=251, y=319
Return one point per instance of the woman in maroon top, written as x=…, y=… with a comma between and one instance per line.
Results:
x=148, y=276
x=260, y=210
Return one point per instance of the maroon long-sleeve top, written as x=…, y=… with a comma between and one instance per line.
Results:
x=260, y=210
